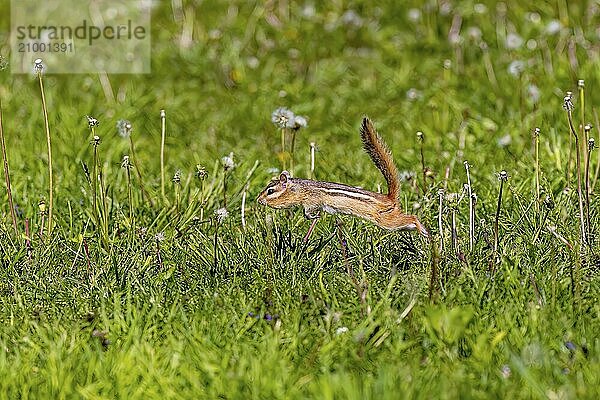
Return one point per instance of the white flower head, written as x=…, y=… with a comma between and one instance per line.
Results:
x=341, y=330
x=227, y=162
x=534, y=93
x=414, y=15
x=159, y=237
x=513, y=41
x=516, y=67
x=283, y=118
x=221, y=214
x=300, y=122
x=553, y=27
x=124, y=128
x=351, y=18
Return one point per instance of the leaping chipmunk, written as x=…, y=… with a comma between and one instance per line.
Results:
x=316, y=196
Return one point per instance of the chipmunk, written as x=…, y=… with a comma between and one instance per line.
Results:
x=316, y=196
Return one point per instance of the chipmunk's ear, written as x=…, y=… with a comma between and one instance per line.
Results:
x=284, y=177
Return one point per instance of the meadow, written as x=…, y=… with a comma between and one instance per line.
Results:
x=173, y=282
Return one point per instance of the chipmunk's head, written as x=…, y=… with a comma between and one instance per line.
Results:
x=279, y=193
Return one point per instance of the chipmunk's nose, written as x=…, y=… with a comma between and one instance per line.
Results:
x=261, y=200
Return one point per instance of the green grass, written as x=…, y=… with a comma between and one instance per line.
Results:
x=166, y=305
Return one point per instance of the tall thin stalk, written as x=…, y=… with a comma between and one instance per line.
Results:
x=502, y=177
x=7, y=176
x=568, y=106
x=536, y=138
x=471, y=208
x=39, y=68
x=92, y=122
x=421, y=139
x=163, y=130
x=312, y=160
x=201, y=174
x=127, y=166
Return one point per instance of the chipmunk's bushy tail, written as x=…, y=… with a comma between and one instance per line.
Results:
x=381, y=156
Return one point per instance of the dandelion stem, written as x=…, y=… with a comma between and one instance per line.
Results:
x=94, y=182
x=49, y=141
x=471, y=208
x=536, y=138
x=503, y=176
x=136, y=165
x=312, y=160
x=578, y=170
x=7, y=176
x=283, y=148
x=292, y=151
x=244, y=206
x=163, y=119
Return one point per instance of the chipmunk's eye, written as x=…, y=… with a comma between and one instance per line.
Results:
x=270, y=191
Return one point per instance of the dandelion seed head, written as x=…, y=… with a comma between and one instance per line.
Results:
x=553, y=27
x=480, y=8
x=124, y=128
x=516, y=67
x=300, y=122
x=351, y=18
x=406, y=176
x=413, y=94
x=503, y=176
x=221, y=214
x=536, y=132
x=505, y=371
x=159, y=237
x=341, y=330
x=283, y=118
x=504, y=141
x=534, y=93
x=474, y=33
x=95, y=141
x=591, y=144
x=227, y=162
x=513, y=41
x=414, y=15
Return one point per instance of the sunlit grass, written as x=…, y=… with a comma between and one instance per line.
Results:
x=137, y=297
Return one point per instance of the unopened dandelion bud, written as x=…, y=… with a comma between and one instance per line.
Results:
x=38, y=65
x=177, y=177
x=92, y=122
